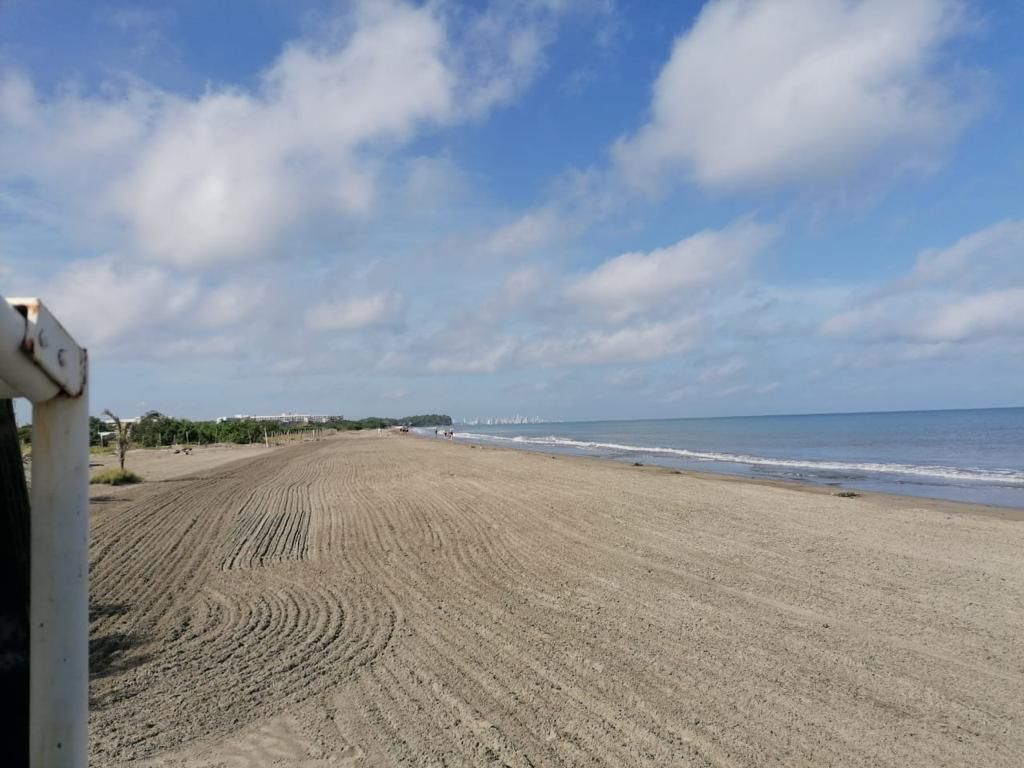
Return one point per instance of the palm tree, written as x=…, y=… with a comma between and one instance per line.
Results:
x=124, y=436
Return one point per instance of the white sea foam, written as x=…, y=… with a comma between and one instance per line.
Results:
x=962, y=474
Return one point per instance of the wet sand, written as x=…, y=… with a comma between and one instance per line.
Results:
x=394, y=601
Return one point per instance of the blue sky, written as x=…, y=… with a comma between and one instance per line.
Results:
x=564, y=208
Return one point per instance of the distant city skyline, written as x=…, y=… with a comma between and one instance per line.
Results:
x=576, y=208
x=496, y=420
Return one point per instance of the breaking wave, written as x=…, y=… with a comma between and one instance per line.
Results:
x=962, y=474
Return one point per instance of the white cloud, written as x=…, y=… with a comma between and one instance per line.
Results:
x=121, y=309
x=72, y=145
x=485, y=358
x=766, y=92
x=971, y=291
x=753, y=389
x=433, y=182
x=476, y=352
x=627, y=378
x=190, y=183
x=984, y=314
x=991, y=255
x=223, y=176
x=521, y=285
x=231, y=302
x=638, y=282
x=721, y=371
x=375, y=311
x=503, y=49
x=935, y=316
x=289, y=365
x=883, y=354
x=529, y=231
x=642, y=342
x=105, y=301
x=218, y=346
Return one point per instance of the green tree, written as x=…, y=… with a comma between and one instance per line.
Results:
x=96, y=426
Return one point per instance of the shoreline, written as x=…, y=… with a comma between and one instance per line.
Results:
x=967, y=456
x=904, y=501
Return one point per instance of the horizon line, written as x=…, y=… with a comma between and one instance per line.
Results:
x=759, y=415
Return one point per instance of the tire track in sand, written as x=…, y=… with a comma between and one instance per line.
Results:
x=418, y=603
x=184, y=649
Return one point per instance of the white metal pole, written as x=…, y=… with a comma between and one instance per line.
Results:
x=59, y=665
x=21, y=377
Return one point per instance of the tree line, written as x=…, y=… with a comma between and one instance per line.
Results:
x=156, y=429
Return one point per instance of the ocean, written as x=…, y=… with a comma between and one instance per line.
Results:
x=974, y=456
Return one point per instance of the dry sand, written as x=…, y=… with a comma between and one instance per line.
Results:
x=164, y=463
x=373, y=601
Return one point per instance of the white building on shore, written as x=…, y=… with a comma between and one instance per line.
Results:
x=124, y=420
x=284, y=418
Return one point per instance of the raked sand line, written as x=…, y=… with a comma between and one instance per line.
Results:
x=393, y=601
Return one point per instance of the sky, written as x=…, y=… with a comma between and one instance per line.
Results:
x=570, y=209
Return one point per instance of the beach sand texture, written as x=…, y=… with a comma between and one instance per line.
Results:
x=372, y=601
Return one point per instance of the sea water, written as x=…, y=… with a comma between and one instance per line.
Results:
x=965, y=455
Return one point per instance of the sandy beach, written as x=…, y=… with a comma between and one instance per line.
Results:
x=369, y=601
x=163, y=463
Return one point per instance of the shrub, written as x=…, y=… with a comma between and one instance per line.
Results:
x=115, y=476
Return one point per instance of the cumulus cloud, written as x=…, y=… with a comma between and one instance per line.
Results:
x=529, y=231
x=103, y=301
x=433, y=182
x=979, y=315
x=642, y=342
x=377, y=310
x=488, y=357
x=72, y=146
x=971, y=291
x=223, y=176
x=232, y=302
x=637, y=343
x=934, y=316
x=767, y=92
x=521, y=287
x=184, y=187
x=122, y=309
x=721, y=371
x=503, y=48
x=218, y=345
x=639, y=282
x=987, y=257
x=635, y=308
